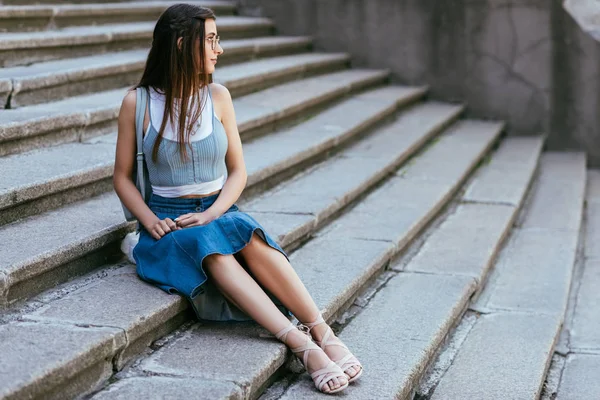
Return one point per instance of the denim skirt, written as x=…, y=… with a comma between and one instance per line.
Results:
x=174, y=262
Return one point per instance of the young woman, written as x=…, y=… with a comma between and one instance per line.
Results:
x=194, y=241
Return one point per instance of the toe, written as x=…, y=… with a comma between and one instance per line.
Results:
x=334, y=383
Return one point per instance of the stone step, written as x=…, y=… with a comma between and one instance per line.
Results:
x=45, y=17
x=83, y=117
x=56, y=258
x=28, y=2
x=127, y=62
x=123, y=326
x=582, y=354
x=24, y=48
x=55, y=80
x=509, y=349
x=334, y=266
x=440, y=277
x=75, y=171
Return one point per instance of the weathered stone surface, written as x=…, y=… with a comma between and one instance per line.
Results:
x=504, y=356
x=93, y=160
x=593, y=186
x=580, y=378
x=407, y=129
x=254, y=72
x=585, y=329
x=506, y=178
x=65, y=166
x=420, y=197
x=290, y=98
x=222, y=352
x=159, y=388
x=326, y=130
x=334, y=270
x=57, y=237
x=465, y=143
x=342, y=178
x=592, y=229
x=104, y=106
x=38, y=357
x=74, y=36
x=398, y=221
x=397, y=333
x=533, y=272
x=52, y=80
x=119, y=295
x=466, y=242
x=561, y=186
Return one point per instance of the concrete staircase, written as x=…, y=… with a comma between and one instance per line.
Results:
x=411, y=226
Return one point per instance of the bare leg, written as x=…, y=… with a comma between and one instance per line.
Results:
x=276, y=274
x=235, y=283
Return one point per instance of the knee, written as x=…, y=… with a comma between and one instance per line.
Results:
x=215, y=260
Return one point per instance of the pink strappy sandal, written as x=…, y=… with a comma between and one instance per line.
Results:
x=349, y=360
x=321, y=376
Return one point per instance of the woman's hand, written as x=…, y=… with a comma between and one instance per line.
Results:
x=161, y=227
x=195, y=219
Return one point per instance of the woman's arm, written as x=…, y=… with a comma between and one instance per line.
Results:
x=122, y=181
x=234, y=159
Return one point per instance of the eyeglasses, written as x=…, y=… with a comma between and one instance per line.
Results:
x=214, y=41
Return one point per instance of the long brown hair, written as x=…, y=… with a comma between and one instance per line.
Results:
x=174, y=70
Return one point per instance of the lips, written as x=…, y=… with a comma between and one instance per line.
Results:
x=214, y=60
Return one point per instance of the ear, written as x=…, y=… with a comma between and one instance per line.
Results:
x=179, y=41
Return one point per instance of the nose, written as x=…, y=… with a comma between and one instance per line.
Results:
x=219, y=50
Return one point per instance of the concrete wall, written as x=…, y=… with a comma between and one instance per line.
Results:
x=525, y=61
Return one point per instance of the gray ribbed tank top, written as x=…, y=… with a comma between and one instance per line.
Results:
x=206, y=157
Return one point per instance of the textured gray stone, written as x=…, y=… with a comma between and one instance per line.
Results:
x=290, y=98
x=592, y=230
x=92, y=161
x=585, y=329
x=397, y=221
x=580, y=378
x=505, y=356
x=159, y=388
x=334, y=270
x=408, y=128
x=54, y=360
x=397, y=333
x=561, y=186
x=223, y=352
x=57, y=237
x=533, y=272
x=119, y=295
x=326, y=130
x=421, y=196
x=65, y=166
x=506, y=178
x=342, y=178
x=454, y=152
x=74, y=36
x=254, y=73
x=466, y=242
x=92, y=109
x=593, y=186
x=52, y=80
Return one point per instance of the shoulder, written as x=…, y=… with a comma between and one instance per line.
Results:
x=129, y=100
x=220, y=93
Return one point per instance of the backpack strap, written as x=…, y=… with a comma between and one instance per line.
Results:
x=140, y=112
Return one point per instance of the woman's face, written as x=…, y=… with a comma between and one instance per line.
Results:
x=212, y=47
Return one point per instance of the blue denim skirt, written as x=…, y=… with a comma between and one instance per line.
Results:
x=174, y=262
